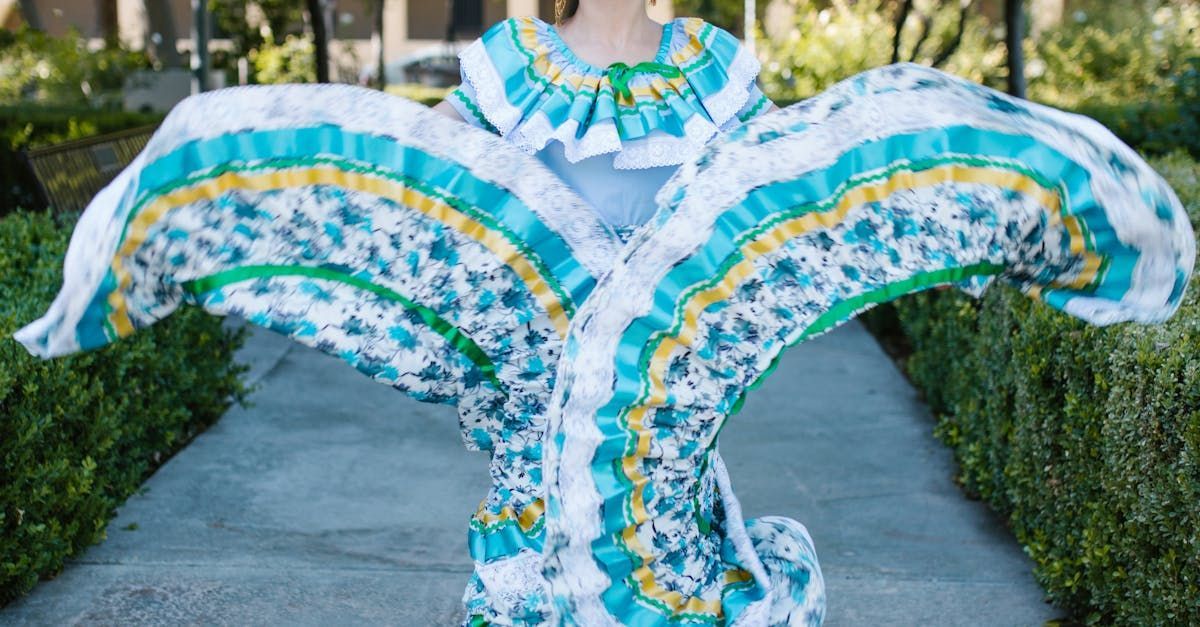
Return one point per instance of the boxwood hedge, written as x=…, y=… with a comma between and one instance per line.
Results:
x=1086, y=439
x=78, y=434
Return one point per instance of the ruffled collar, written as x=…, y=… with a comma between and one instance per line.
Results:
x=533, y=89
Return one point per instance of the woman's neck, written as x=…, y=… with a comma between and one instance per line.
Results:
x=618, y=24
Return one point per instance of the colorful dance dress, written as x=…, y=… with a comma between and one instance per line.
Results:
x=613, y=135
x=482, y=267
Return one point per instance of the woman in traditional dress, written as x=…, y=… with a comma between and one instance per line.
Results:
x=612, y=103
x=596, y=274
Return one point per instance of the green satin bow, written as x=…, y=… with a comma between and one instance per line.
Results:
x=620, y=73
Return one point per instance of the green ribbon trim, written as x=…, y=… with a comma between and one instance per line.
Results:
x=475, y=111
x=846, y=309
x=459, y=340
x=619, y=74
x=758, y=106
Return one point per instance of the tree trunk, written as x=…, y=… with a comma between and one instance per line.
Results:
x=316, y=19
x=377, y=43
x=945, y=53
x=901, y=20
x=162, y=23
x=29, y=13
x=108, y=22
x=1014, y=21
x=926, y=27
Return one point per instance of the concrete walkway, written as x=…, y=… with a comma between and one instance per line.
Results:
x=335, y=500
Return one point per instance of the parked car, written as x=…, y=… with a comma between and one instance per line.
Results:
x=433, y=66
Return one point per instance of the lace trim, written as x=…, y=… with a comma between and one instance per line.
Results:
x=511, y=583
x=663, y=150
x=477, y=69
x=646, y=152
x=536, y=132
x=725, y=104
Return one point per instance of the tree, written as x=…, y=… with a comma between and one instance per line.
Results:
x=727, y=14
x=902, y=14
x=907, y=9
x=29, y=13
x=320, y=22
x=280, y=17
x=1014, y=38
x=376, y=7
x=162, y=33
x=108, y=22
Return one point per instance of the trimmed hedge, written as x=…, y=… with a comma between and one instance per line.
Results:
x=1086, y=439
x=1154, y=128
x=79, y=434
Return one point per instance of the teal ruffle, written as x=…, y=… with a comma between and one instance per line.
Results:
x=521, y=79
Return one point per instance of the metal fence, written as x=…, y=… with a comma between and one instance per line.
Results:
x=71, y=173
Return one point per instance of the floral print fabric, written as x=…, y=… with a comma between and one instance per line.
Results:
x=448, y=263
x=893, y=181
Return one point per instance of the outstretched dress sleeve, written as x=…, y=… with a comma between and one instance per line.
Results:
x=894, y=181
x=443, y=260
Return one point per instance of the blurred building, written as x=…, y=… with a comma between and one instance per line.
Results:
x=409, y=25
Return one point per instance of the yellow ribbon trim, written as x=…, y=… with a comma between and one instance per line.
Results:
x=526, y=520
x=552, y=72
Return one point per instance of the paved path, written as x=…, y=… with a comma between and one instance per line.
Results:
x=335, y=500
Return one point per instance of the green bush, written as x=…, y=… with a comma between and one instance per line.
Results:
x=1086, y=439
x=293, y=61
x=1135, y=68
x=1113, y=53
x=78, y=434
x=835, y=39
x=36, y=68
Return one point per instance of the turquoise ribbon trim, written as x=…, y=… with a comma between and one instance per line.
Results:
x=561, y=100
x=504, y=540
x=772, y=200
x=521, y=223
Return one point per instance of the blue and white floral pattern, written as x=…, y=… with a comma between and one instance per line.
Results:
x=893, y=181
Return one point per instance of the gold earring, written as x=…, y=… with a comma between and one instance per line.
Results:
x=560, y=7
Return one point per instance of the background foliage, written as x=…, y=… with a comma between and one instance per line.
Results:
x=1133, y=66
x=1111, y=53
x=290, y=61
x=1114, y=53
x=38, y=68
